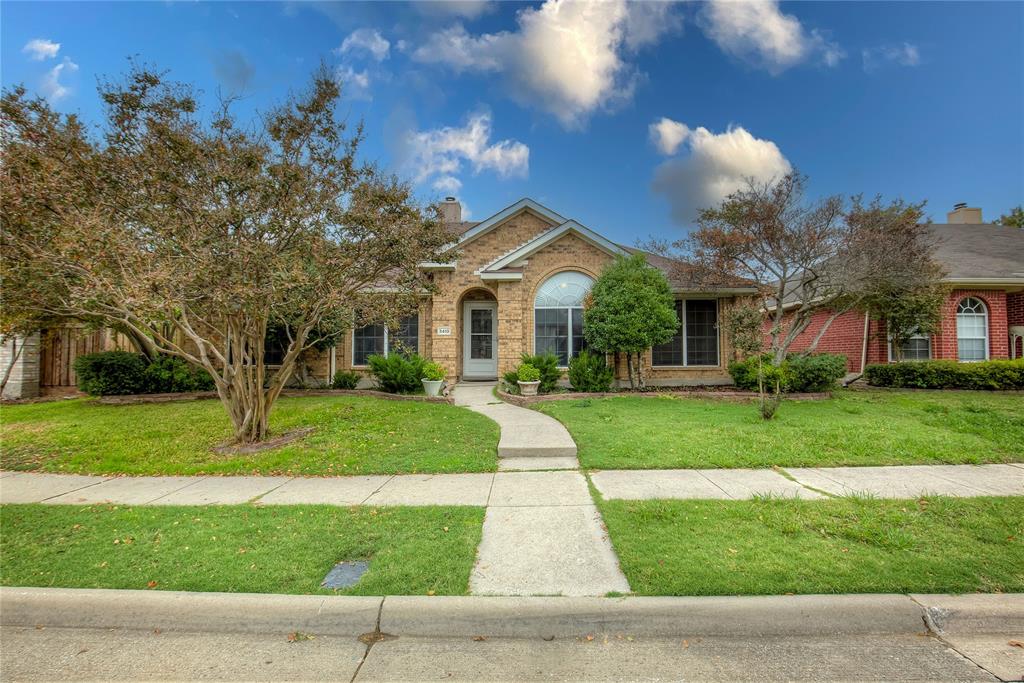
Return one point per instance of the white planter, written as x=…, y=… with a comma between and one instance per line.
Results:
x=432, y=387
x=529, y=388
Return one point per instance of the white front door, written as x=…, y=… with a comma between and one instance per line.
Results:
x=480, y=340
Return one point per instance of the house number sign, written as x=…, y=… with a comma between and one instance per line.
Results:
x=444, y=332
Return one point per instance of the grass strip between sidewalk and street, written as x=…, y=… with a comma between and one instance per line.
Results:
x=351, y=435
x=864, y=427
x=411, y=550
x=843, y=545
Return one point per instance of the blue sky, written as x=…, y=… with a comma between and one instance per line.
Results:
x=626, y=117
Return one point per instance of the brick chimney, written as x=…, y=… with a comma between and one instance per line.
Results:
x=963, y=214
x=451, y=210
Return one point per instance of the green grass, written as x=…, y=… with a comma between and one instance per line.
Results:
x=853, y=428
x=763, y=547
x=412, y=551
x=353, y=435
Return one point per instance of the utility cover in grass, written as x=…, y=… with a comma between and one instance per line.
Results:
x=345, y=574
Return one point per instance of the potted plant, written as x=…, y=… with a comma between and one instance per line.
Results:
x=529, y=379
x=433, y=378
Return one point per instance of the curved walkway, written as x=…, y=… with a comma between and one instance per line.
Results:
x=529, y=440
x=542, y=533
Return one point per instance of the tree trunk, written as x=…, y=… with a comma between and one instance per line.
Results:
x=640, y=371
x=629, y=370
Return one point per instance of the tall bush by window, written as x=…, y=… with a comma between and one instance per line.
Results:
x=631, y=309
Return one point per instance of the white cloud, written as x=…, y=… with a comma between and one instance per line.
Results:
x=439, y=154
x=51, y=87
x=568, y=58
x=667, y=135
x=468, y=9
x=716, y=165
x=355, y=85
x=447, y=183
x=904, y=54
x=758, y=32
x=41, y=48
x=366, y=40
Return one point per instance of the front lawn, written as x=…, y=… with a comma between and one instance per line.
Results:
x=763, y=547
x=412, y=551
x=853, y=428
x=352, y=435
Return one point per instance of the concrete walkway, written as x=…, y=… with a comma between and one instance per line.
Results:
x=526, y=435
x=542, y=533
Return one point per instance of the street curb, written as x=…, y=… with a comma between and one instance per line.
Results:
x=188, y=612
x=974, y=613
x=652, y=616
x=513, y=617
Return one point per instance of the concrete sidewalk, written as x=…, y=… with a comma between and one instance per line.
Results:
x=68, y=634
x=515, y=489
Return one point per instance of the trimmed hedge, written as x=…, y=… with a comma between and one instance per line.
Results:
x=800, y=373
x=948, y=374
x=116, y=373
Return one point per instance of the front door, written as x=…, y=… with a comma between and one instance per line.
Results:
x=480, y=340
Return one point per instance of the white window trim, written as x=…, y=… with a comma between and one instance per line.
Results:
x=913, y=336
x=682, y=324
x=956, y=321
x=568, y=322
x=387, y=343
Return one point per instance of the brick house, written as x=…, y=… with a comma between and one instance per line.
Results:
x=982, y=319
x=517, y=287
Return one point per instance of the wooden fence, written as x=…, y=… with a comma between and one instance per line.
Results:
x=60, y=346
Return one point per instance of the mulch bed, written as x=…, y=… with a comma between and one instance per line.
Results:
x=725, y=394
x=134, y=399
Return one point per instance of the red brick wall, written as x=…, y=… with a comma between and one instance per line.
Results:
x=846, y=334
x=944, y=342
x=1015, y=316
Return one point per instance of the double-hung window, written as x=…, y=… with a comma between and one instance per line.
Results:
x=378, y=340
x=971, y=330
x=695, y=342
x=916, y=347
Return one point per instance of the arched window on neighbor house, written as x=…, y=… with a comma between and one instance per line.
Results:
x=971, y=330
x=558, y=315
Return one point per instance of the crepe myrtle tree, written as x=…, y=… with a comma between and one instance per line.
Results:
x=197, y=234
x=807, y=257
x=629, y=310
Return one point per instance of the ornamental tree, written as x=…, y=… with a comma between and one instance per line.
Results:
x=196, y=234
x=806, y=257
x=630, y=309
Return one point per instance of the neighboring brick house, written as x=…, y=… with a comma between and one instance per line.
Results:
x=516, y=287
x=981, y=318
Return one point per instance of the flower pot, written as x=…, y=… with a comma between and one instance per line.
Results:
x=529, y=388
x=432, y=386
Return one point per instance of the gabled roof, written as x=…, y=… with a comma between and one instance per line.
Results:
x=523, y=204
x=545, y=238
